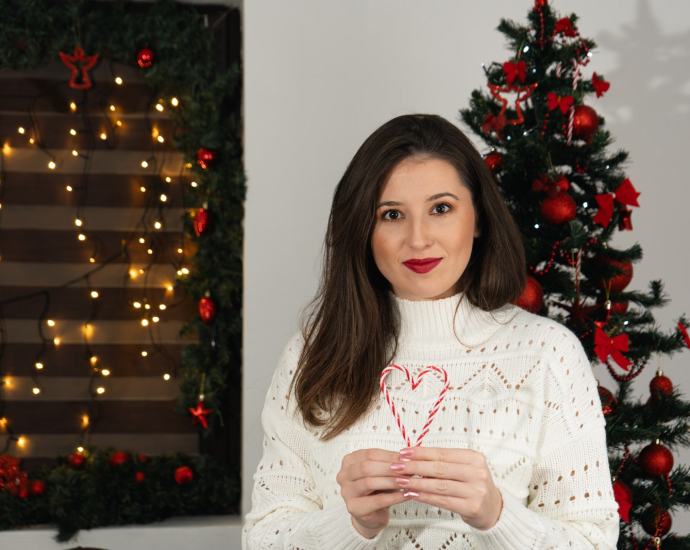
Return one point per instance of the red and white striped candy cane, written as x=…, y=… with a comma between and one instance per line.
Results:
x=414, y=383
x=571, y=116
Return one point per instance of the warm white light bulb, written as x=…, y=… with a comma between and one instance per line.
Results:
x=100, y=390
x=119, y=123
x=144, y=164
x=104, y=136
x=77, y=222
x=160, y=139
x=21, y=441
x=174, y=102
x=144, y=353
x=69, y=188
x=162, y=307
x=180, y=251
x=21, y=130
x=75, y=152
x=136, y=305
x=82, y=237
x=170, y=287
x=166, y=377
x=92, y=260
x=105, y=372
x=112, y=107
x=51, y=165
x=31, y=141
x=80, y=449
x=56, y=341
x=168, y=179
x=73, y=106
x=155, y=319
x=150, y=251
x=73, y=132
x=51, y=323
x=36, y=390
x=157, y=225
x=147, y=306
x=142, y=240
x=164, y=198
x=143, y=189
x=94, y=294
x=193, y=184
x=118, y=80
x=144, y=322
x=159, y=107
x=185, y=270
x=39, y=366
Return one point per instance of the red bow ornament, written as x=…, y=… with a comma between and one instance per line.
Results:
x=563, y=102
x=600, y=86
x=495, y=123
x=72, y=61
x=624, y=194
x=623, y=496
x=565, y=26
x=604, y=346
x=684, y=332
x=513, y=70
x=552, y=187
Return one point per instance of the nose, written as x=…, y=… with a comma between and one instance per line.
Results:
x=419, y=234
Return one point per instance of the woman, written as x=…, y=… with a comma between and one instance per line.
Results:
x=422, y=260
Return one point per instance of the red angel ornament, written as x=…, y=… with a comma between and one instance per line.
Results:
x=79, y=64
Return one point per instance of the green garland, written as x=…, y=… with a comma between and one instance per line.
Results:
x=33, y=32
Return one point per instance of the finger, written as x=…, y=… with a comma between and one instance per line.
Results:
x=369, y=485
x=363, y=506
x=452, y=504
x=377, y=455
x=440, y=454
x=435, y=486
x=369, y=468
x=441, y=470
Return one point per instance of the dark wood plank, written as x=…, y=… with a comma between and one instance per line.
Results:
x=59, y=417
x=73, y=360
x=102, y=189
x=112, y=304
x=33, y=245
x=53, y=131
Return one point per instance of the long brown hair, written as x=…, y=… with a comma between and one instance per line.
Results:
x=351, y=332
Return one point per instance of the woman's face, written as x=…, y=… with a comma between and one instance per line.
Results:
x=424, y=230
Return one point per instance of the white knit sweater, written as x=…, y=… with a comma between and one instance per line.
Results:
x=521, y=391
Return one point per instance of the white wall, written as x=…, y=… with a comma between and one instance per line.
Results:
x=320, y=76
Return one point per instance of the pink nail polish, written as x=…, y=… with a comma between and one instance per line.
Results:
x=411, y=494
x=402, y=480
x=407, y=452
x=397, y=467
x=403, y=459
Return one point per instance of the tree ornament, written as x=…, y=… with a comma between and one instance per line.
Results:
x=623, y=496
x=201, y=219
x=37, y=488
x=585, y=122
x=657, y=522
x=684, y=334
x=515, y=70
x=616, y=283
x=77, y=460
x=139, y=477
x=532, y=298
x=656, y=460
x=609, y=403
x=493, y=160
x=578, y=312
x=527, y=90
x=205, y=157
x=494, y=123
x=600, y=86
x=118, y=457
x=184, y=475
x=625, y=194
x=200, y=413
x=80, y=66
x=606, y=345
x=207, y=308
x=12, y=478
x=613, y=307
x=660, y=387
x=565, y=26
x=562, y=102
x=145, y=58
x=540, y=3
x=559, y=209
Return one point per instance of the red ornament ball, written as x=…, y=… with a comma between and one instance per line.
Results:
x=609, y=404
x=77, y=460
x=204, y=157
x=207, y=309
x=184, y=475
x=145, y=57
x=656, y=460
x=657, y=522
x=493, y=161
x=37, y=488
x=201, y=221
x=559, y=209
x=532, y=298
x=118, y=457
x=23, y=492
x=660, y=387
x=617, y=282
x=585, y=122
x=139, y=477
x=142, y=458
x=540, y=3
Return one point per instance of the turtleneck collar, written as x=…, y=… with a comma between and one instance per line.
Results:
x=429, y=323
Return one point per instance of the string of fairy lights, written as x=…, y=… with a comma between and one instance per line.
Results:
x=148, y=232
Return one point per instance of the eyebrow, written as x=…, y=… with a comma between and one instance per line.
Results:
x=430, y=199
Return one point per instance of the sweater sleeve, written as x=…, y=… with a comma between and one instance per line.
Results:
x=570, y=503
x=287, y=511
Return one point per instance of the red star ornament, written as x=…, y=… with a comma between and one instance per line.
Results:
x=78, y=63
x=579, y=313
x=527, y=90
x=200, y=414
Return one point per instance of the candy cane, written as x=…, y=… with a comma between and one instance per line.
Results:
x=414, y=383
x=571, y=117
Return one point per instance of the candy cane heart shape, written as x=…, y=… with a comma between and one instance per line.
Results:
x=414, y=383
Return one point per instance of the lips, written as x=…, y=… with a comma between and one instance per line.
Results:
x=422, y=266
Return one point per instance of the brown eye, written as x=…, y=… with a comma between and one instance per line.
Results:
x=442, y=208
x=391, y=215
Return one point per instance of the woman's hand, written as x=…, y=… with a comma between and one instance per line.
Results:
x=457, y=480
x=368, y=486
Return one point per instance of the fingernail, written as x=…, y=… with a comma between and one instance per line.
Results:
x=411, y=494
x=397, y=467
x=402, y=480
x=407, y=452
x=403, y=459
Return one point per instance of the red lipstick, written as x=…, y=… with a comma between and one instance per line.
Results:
x=422, y=266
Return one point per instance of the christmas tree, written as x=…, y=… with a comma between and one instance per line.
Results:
x=569, y=195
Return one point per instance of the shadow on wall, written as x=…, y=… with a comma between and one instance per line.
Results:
x=653, y=86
